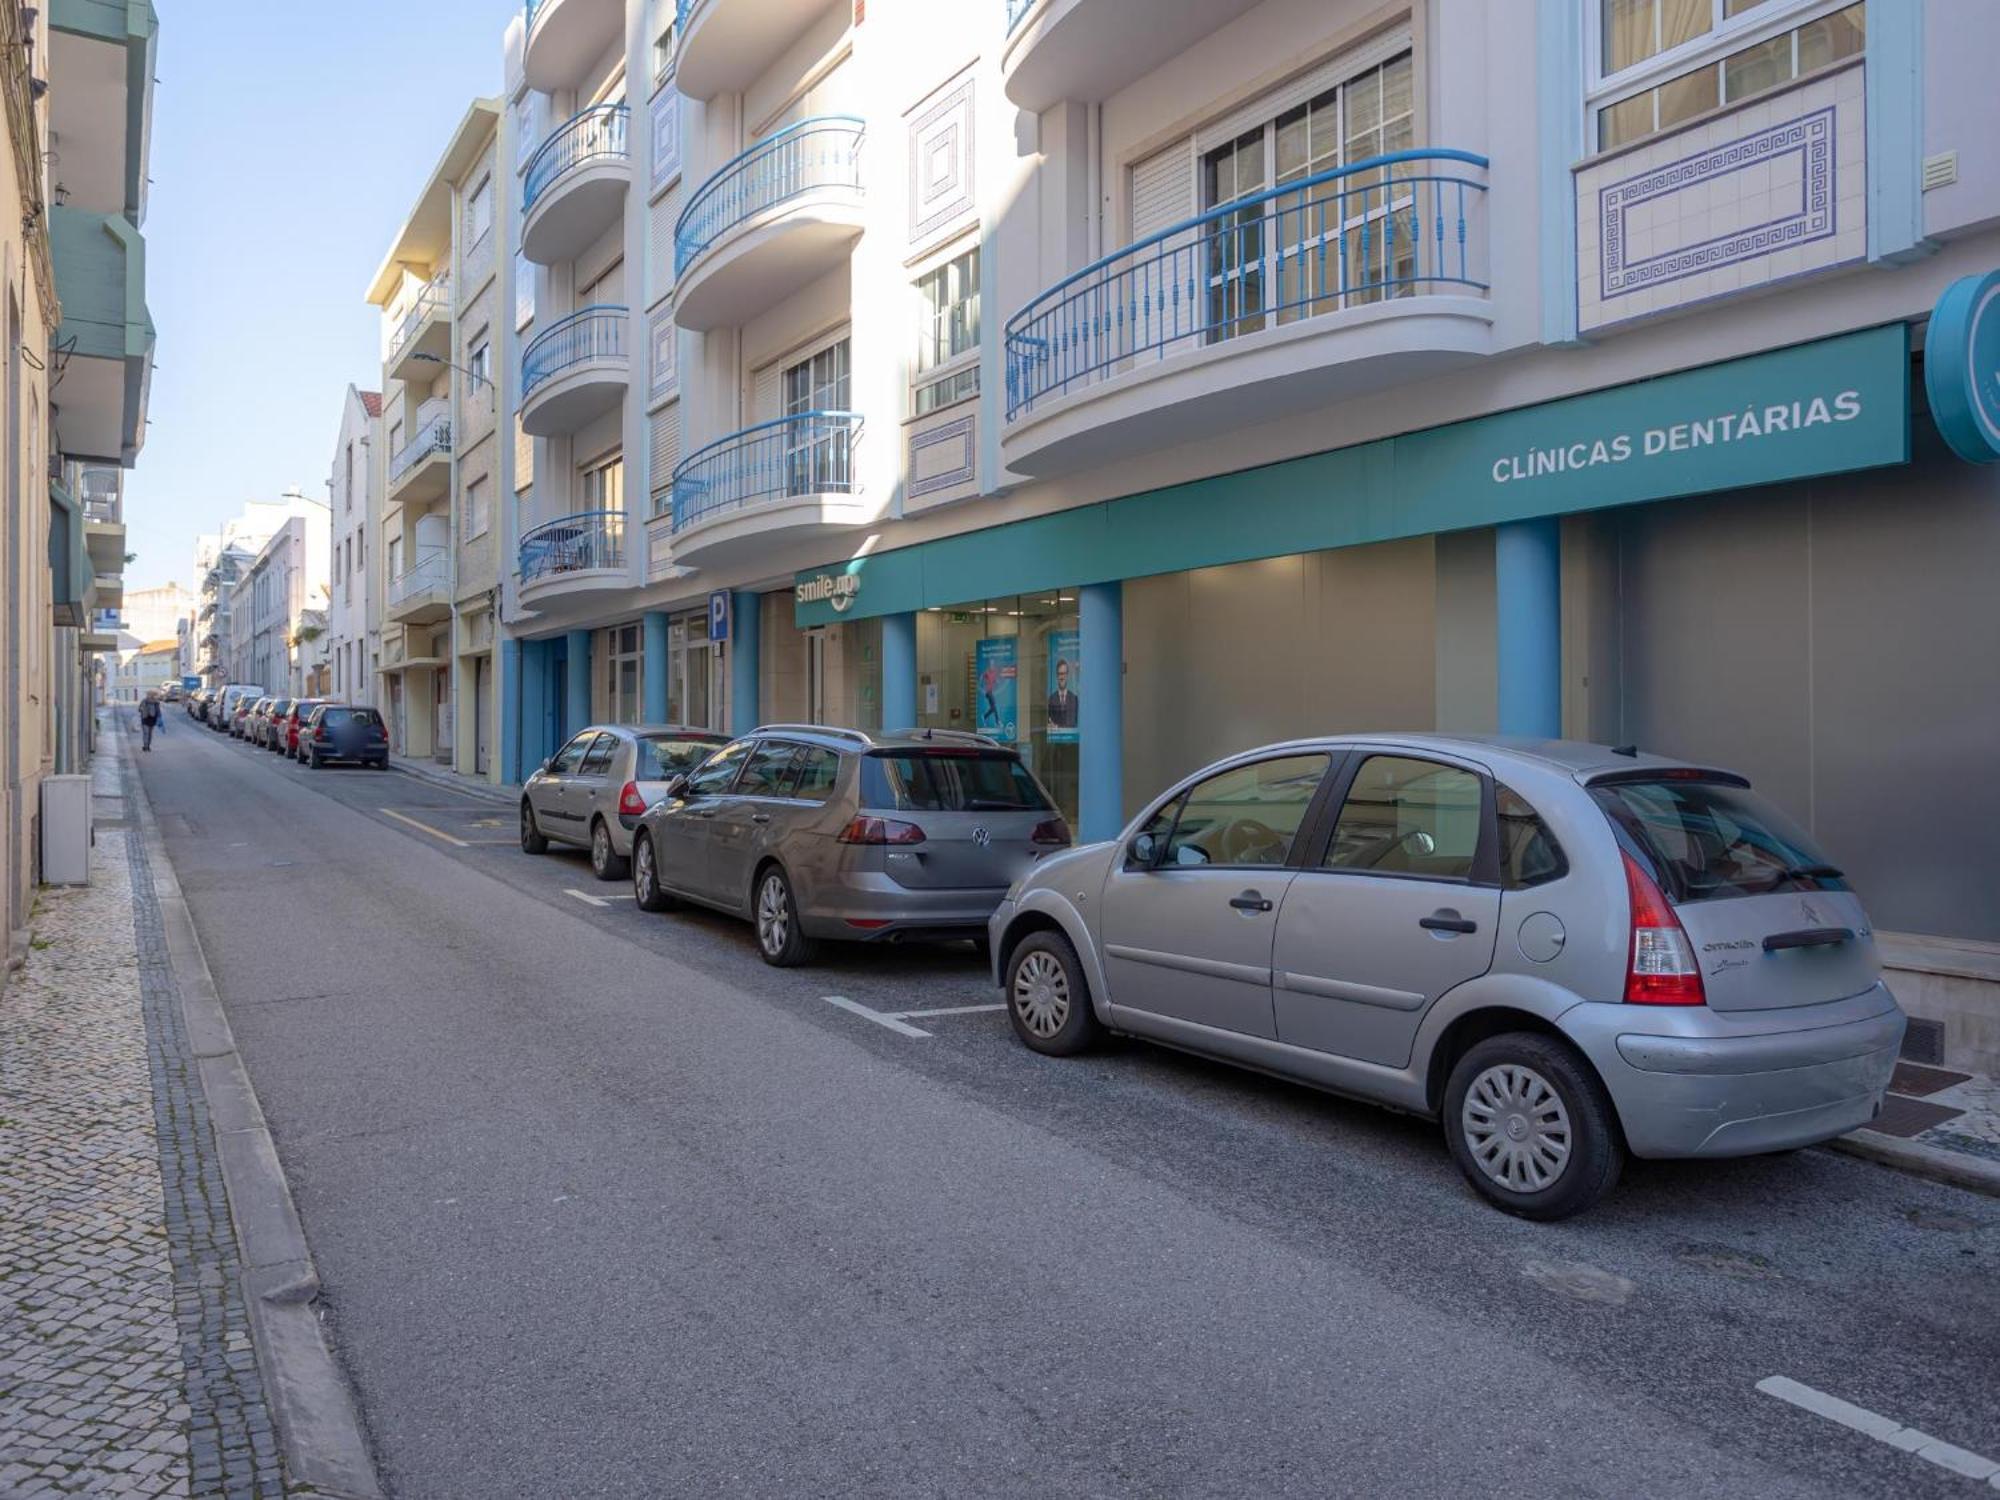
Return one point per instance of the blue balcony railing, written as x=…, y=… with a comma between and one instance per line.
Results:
x=433, y=437
x=823, y=152
x=528, y=14
x=597, y=134
x=1399, y=225
x=808, y=454
x=1017, y=9
x=592, y=539
x=596, y=332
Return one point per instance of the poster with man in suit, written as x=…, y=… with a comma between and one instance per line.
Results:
x=1064, y=675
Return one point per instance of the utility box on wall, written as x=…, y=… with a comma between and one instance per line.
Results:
x=66, y=830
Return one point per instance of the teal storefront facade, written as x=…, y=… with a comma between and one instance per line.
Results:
x=1833, y=407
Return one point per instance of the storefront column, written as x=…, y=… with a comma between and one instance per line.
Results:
x=576, y=683
x=531, y=714
x=1527, y=607
x=899, y=670
x=653, y=652
x=744, y=617
x=510, y=710
x=1100, y=704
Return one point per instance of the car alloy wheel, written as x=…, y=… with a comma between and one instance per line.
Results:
x=1516, y=1128
x=604, y=861
x=774, y=914
x=1041, y=993
x=532, y=839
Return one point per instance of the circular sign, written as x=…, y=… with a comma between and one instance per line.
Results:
x=1962, y=367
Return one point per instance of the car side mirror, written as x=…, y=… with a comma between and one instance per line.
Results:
x=677, y=785
x=1143, y=853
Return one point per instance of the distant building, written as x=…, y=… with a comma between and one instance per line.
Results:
x=354, y=604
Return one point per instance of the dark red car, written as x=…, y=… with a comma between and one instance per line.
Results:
x=285, y=736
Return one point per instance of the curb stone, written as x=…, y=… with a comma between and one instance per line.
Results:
x=452, y=782
x=1919, y=1160
x=318, y=1422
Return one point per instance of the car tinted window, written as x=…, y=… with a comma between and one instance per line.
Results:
x=949, y=781
x=1404, y=816
x=715, y=777
x=814, y=775
x=1712, y=839
x=1247, y=815
x=571, y=755
x=768, y=770
x=1529, y=853
x=598, y=760
x=662, y=757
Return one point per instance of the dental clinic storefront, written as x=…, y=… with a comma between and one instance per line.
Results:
x=1773, y=563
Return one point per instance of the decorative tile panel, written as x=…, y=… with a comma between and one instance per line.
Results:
x=665, y=117
x=941, y=146
x=664, y=375
x=1766, y=192
x=941, y=457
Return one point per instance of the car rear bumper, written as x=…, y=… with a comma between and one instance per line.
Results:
x=1714, y=1083
x=833, y=910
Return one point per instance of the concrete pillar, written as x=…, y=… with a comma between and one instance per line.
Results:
x=1100, y=703
x=1527, y=600
x=745, y=616
x=653, y=654
x=510, y=710
x=576, y=704
x=899, y=670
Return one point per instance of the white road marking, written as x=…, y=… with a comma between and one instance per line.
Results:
x=901, y=1028
x=585, y=896
x=436, y=833
x=1882, y=1429
x=945, y=1010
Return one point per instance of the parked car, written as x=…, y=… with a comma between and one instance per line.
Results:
x=252, y=716
x=1562, y=952
x=819, y=833
x=222, y=719
x=197, y=704
x=340, y=731
x=267, y=721
x=285, y=738
x=171, y=693
x=593, y=791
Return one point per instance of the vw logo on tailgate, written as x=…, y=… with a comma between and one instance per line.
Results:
x=981, y=837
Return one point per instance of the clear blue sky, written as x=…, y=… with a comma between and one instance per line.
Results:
x=289, y=140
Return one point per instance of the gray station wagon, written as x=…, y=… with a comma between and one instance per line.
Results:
x=593, y=790
x=831, y=833
x=1562, y=952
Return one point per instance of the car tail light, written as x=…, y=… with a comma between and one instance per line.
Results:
x=322, y=733
x=1051, y=831
x=1660, y=969
x=630, y=803
x=867, y=830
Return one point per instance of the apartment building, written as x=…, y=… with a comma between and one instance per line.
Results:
x=354, y=609
x=1141, y=380
x=223, y=634
x=442, y=289
x=278, y=608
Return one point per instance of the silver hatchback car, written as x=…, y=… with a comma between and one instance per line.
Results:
x=1561, y=951
x=831, y=833
x=592, y=791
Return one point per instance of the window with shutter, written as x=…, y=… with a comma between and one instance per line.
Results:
x=1163, y=189
x=665, y=454
x=660, y=245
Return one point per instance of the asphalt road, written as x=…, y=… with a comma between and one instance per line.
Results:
x=603, y=1206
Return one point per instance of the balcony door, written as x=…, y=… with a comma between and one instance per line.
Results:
x=1318, y=249
x=817, y=458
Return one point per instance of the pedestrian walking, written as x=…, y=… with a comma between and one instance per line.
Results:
x=149, y=719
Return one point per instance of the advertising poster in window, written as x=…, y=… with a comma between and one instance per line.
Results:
x=997, y=662
x=1065, y=673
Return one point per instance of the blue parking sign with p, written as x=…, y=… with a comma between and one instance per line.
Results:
x=718, y=615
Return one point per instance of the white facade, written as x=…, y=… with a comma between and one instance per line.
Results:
x=156, y=614
x=270, y=604
x=354, y=608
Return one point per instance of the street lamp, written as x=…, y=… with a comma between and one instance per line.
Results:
x=472, y=375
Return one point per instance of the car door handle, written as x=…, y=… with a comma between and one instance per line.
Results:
x=1447, y=921
x=1250, y=901
x=760, y=817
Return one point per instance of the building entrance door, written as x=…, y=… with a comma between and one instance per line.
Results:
x=482, y=714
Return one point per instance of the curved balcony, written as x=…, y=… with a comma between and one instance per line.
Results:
x=421, y=472
x=781, y=215
x=794, y=478
x=1356, y=279
x=725, y=44
x=564, y=37
x=575, y=370
x=572, y=555
x=422, y=341
x=1088, y=50
x=575, y=184
x=421, y=593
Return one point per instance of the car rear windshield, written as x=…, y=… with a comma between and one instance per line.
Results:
x=949, y=781
x=1715, y=839
x=664, y=756
x=362, y=716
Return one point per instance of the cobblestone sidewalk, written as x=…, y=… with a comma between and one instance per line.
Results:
x=126, y=1367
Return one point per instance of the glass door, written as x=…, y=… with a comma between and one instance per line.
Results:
x=816, y=454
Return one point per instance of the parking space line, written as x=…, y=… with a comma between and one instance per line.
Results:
x=901, y=1028
x=436, y=833
x=1883, y=1429
x=585, y=897
x=943, y=1010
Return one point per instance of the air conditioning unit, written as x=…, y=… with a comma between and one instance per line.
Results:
x=66, y=830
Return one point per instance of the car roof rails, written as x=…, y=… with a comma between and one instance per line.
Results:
x=846, y=734
x=950, y=736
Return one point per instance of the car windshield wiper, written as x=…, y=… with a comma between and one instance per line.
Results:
x=1809, y=872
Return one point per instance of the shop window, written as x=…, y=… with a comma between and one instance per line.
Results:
x=1662, y=62
x=948, y=334
x=624, y=671
x=1408, y=817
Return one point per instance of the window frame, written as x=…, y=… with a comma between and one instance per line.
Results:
x=1727, y=36
x=1304, y=840
x=478, y=508
x=591, y=476
x=478, y=206
x=952, y=368
x=1486, y=857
